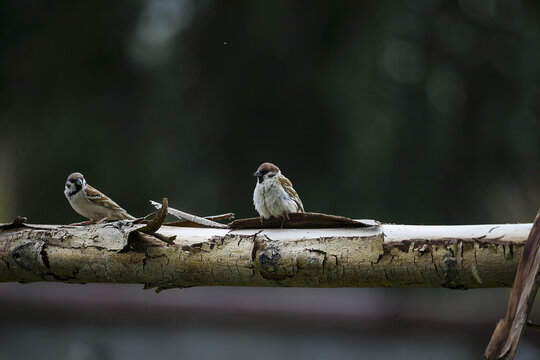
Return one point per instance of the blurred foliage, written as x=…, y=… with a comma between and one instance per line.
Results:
x=418, y=111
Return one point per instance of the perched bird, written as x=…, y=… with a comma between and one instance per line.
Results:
x=274, y=195
x=91, y=203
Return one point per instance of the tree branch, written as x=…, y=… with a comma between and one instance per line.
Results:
x=505, y=338
x=457, y=257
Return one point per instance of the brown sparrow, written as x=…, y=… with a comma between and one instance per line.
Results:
x=274, y=195
x=91, y=203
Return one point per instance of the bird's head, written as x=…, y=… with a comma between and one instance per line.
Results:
x=266, y=171
x=74, y=183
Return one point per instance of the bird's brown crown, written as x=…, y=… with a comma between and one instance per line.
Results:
x=267, y=167
x=75, y=176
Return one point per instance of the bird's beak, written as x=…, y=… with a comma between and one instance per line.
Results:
x=258, y=174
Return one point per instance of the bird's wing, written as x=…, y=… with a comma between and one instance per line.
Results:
x=98, y=198
x=287, y=186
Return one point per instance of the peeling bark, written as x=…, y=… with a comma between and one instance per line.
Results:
x=457, y=257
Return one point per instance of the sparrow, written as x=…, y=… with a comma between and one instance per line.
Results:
x=274, y=195
x=91, y=203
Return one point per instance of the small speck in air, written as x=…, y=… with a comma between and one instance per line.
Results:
x=225, y=43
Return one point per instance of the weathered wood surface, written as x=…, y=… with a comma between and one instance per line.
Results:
x=457, y=257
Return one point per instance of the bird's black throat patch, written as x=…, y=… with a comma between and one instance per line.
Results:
x=78, y=188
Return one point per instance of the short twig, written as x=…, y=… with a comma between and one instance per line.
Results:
x=533, y=325
x=193, y=218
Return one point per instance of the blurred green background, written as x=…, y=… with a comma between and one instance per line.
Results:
x=413, y=111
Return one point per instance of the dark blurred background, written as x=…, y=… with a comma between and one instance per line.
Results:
x=414, y=111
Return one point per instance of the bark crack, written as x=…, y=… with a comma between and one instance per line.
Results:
x=44, y=256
